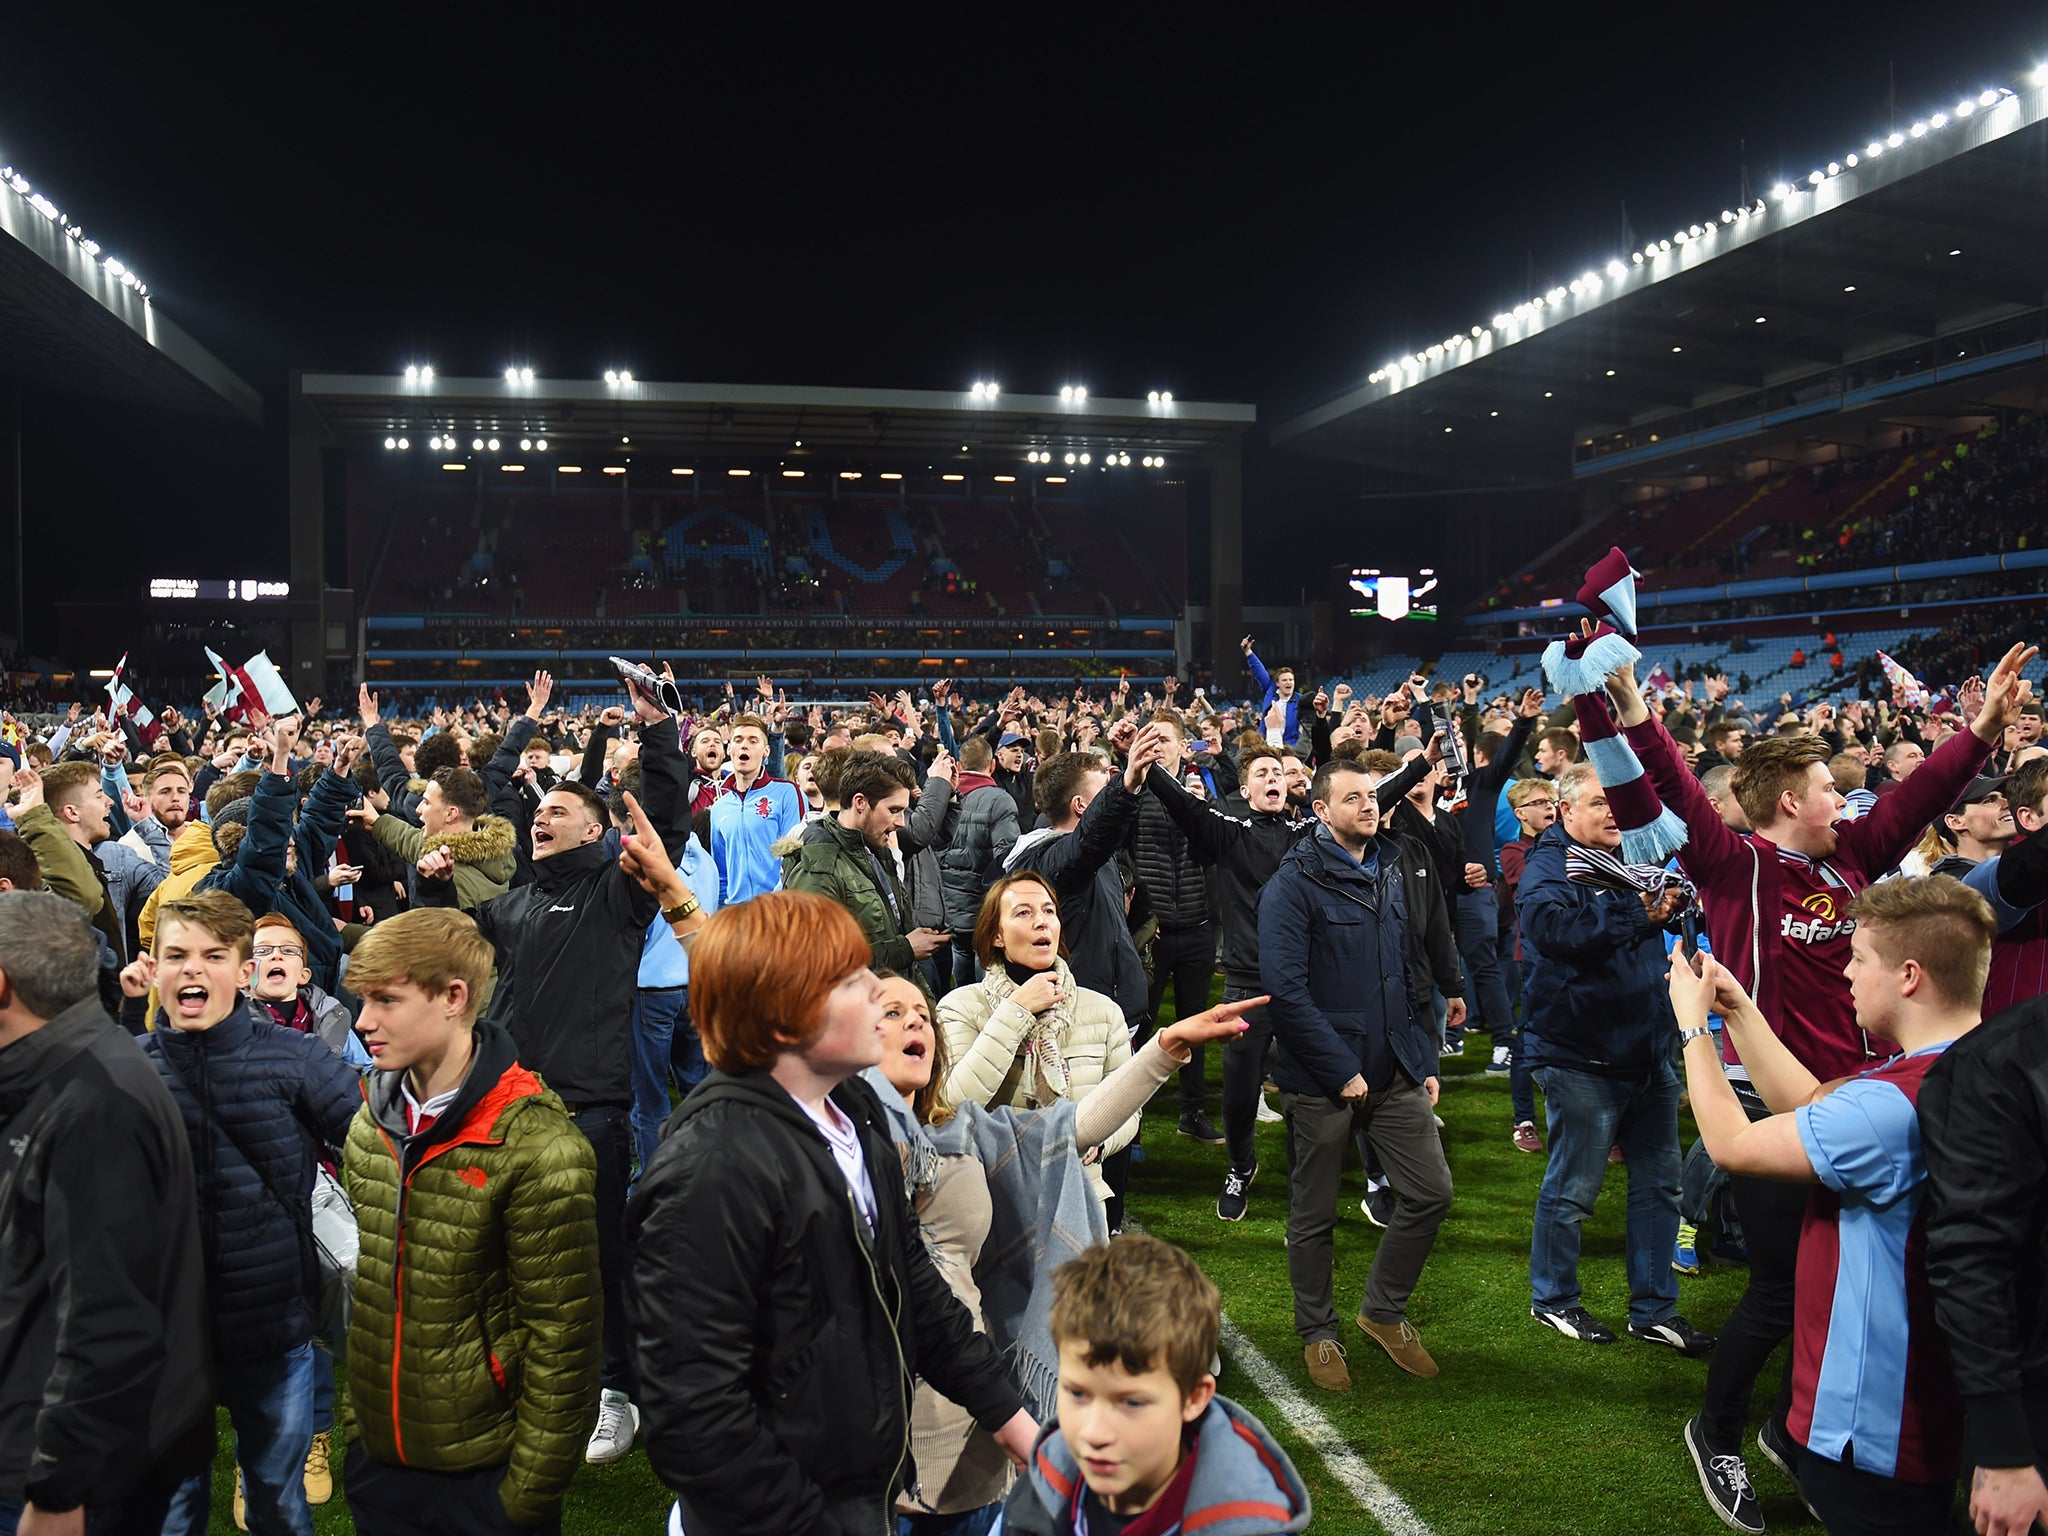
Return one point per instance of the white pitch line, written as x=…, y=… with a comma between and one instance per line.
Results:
x=1310, y=1423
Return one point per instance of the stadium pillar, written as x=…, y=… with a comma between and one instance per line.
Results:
x=306, y=480
x=1226, y=565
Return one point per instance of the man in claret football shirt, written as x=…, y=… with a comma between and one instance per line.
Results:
x=1875, y=1430
x=1777, y=908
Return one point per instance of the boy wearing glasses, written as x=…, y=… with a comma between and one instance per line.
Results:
x=283, y=987
x=1534, y=802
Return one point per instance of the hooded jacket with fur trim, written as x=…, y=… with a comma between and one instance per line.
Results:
x=482, y=854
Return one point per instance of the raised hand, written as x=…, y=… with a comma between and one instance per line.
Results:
x=366, y=706
x=539, y=691
x=137, y=978
x=2004, y=693
x=28, y=789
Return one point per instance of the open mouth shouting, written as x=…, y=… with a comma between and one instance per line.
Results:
x=191, y=1002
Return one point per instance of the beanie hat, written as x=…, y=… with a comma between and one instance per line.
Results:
x=1650, y=832
x=234, y=813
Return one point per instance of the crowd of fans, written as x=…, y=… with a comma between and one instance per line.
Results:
x=758, y=1084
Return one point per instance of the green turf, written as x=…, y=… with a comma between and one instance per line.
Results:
x=1525, y=1431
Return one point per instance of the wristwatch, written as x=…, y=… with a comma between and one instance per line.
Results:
x=1687, y=1036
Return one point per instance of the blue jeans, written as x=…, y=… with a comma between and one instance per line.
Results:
x=1588, y=1115
x=971, y=1522
x=270, y=1403
x=1486, y=1002
x=658, y=1013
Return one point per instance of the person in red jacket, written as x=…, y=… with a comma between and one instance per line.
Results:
x=1776, y=903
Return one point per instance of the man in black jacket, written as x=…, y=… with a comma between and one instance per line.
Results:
x=568, y=949
x=99, y=1250
x=1984, y=1130
x=1184, y=953
x=1478, y=911
x=1089, y=811
x=782, y=1299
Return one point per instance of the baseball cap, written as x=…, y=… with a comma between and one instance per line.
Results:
x=1010, y=739
x=1980, y=789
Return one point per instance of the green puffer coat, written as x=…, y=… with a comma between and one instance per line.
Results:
x=833, y=860
x=476, y=1339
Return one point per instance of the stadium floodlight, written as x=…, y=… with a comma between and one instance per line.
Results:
x=1124, y=459
x=492, y=445
x=477, y=446
x=1727, y=215
x=1067, y=393
x=1849, y=288
x=1780, y=192
x=1987, y=99
x=1638, y=258
x=1919, y=130
x=1851, y=161
x=1070, y=458
x=1873, y=149
x=1939, y=120
x=1834, y=167
x=511, y=375
x=1952, y=253
x=1814, y=178
x=526, y=445
x=611, y=376
x=1893, y=141
x=427, y=377
x=1760, y=319
x=526, y=377
x=403, y=445
x=390, y=443
x=1965, y=107
x=540, y=445
x=412, y=374
x=1152, y=397
x=1085, y=459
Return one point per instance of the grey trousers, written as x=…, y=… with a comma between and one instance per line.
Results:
x=1401, y=1126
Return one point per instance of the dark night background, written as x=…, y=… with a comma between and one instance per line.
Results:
x=1230, y=206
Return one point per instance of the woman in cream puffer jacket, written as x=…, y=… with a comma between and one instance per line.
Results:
x=1025, y=1034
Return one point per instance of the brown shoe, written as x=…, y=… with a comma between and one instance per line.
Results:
x=1402, y=1344
x=1326, y=1368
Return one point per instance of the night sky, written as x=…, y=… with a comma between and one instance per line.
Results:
x=1229, y=206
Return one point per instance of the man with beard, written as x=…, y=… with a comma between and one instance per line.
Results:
x=852, y=863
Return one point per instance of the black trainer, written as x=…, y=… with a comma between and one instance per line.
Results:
x=1725, y=1481
x=1674, y=1333
x=1782, y=1452
x=1230, y=1205
x=1197, y=1126
x=1378, y=1204
x=1575, y=1323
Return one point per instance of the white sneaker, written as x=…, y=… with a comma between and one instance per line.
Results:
x=1268, y=1115
x=618, y=1423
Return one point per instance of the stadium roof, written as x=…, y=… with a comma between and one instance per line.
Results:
x=624, y=415
x=1843, y=291
x=78, y=321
